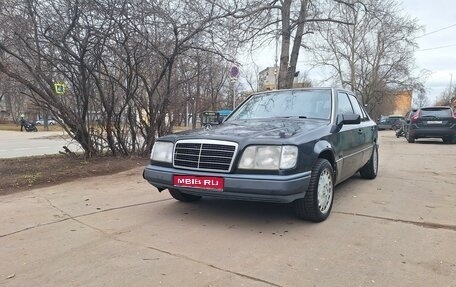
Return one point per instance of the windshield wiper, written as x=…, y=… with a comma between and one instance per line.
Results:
x=299, y=117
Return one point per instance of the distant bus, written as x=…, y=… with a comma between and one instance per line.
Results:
x=223, y=114
x=209, y=118
x=213, y=118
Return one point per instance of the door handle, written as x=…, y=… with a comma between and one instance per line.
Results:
x=360, y=132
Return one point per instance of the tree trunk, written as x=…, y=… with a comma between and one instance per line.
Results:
x=296, y=45
x=285, y=48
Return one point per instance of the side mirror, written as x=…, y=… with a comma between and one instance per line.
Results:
x=345, y=119
x=349, y=119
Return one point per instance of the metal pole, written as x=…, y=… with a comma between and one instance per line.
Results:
x=234, y=73
x=451, y=81
x=186, y=114
x=233, y=81
x=451, y=87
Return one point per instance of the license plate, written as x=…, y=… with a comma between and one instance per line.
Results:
x=434, y=122
x=203, y=182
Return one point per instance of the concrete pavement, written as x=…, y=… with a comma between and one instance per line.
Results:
x=19, y=144
x=117, y=230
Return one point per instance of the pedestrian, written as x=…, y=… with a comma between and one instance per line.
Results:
x=22, y=122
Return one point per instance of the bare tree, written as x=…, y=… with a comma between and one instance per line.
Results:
x=13, y=96
x=447, y=97
x=420, y=100
x=131, y=68
x=118, y=60
x=374, y=55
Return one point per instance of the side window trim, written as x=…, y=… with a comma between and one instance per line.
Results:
x=359, y=109
x=363, y=110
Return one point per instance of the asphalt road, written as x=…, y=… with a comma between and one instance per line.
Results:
x=20, y=144
x=117, y=230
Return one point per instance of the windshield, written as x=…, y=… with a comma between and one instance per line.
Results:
x=436, y=112
x=288, y=103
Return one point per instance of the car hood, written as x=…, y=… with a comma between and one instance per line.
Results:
x=259, y=128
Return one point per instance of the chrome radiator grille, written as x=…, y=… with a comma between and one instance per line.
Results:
x=208, y=155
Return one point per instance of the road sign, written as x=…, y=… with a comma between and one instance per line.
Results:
x=59, y=88
x=234, y=72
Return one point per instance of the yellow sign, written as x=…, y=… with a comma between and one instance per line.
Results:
x=59, y=88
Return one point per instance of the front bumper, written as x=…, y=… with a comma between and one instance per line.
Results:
x=269, y=188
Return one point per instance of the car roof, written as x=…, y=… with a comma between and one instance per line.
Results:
x=304, y=89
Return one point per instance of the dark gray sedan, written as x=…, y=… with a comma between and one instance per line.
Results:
x=288, y=146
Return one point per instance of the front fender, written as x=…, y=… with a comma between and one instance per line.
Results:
x=323, y=149
x=322, y=146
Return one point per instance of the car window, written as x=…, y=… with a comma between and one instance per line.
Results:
x=355, y=105
x=436, y=112
x=363, y=110
x=344, y=106
x=298, y=103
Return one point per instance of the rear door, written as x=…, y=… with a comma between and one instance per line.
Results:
x=366, y=132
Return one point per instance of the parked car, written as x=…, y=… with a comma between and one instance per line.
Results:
x=392, y=122
x=403, y=130
x=277, y=146
x=51, y=122
x=433, y=122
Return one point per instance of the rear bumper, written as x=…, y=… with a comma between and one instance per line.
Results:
x=432, y=132
x=269, y=188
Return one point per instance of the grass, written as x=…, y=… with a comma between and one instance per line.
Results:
x=31, y=178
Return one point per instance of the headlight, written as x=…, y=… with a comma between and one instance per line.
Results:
x=162, y=151
x=269, y=157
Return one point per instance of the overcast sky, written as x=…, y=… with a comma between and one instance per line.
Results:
x=437, y=46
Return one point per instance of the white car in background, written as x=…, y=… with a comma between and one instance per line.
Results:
x=51, y=122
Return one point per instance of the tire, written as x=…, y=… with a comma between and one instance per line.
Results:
x=317, y=203
x=448, y=140
x=176, y=194
x=370, y=169
x=410, y=138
